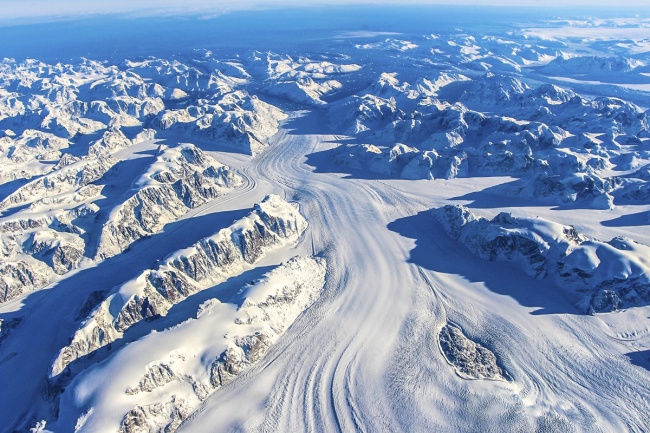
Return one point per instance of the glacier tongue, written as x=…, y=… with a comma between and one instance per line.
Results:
x=272, y=224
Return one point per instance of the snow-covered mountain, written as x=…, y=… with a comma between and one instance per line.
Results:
x=228, y=337
x=413, y=229
x=611, y=275
x=272, y=224
x=180, y=179
x=556, y=140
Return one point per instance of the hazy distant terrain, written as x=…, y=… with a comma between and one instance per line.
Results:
x=406, y=219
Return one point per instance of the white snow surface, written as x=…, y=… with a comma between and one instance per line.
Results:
x=272, y=225
x=285, y=272
x=610, y=274
x=100, y=398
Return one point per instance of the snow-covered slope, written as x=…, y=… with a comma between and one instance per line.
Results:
x=172, y=374
x=180, y=179
x=424, y=224
x=304, y=80
x=54, y=233
x=274, y=223
x=609, y=275
x=54, y=107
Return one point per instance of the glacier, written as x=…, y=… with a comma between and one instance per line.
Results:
x=408, y=218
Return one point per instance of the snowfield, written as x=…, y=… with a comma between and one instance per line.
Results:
x=364, y=230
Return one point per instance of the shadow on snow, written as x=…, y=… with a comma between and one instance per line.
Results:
x=435, y=251
x=641, y=358
x=48, y=329
x=637, y=219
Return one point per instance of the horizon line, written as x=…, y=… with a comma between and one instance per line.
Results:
x=24, y=15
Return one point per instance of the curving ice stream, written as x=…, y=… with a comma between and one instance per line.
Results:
x=365, y=357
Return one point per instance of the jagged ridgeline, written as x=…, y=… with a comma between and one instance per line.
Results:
x=273, y=223
x=607, y=275
x=560, y=144
x=173, y=371
x=180, y=179
x=53, y=235
x=70, y=133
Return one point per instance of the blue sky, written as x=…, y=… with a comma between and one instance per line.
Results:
x=46, y=10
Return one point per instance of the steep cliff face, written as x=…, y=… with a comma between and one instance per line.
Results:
x=21, y=276
x=180, y=179
x=265, y=309
x=50, y=237
x=612, y=275
x=69, y=178
x=272, y=224
x=34, y=251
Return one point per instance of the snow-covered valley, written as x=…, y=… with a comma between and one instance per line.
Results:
x=436, y=231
